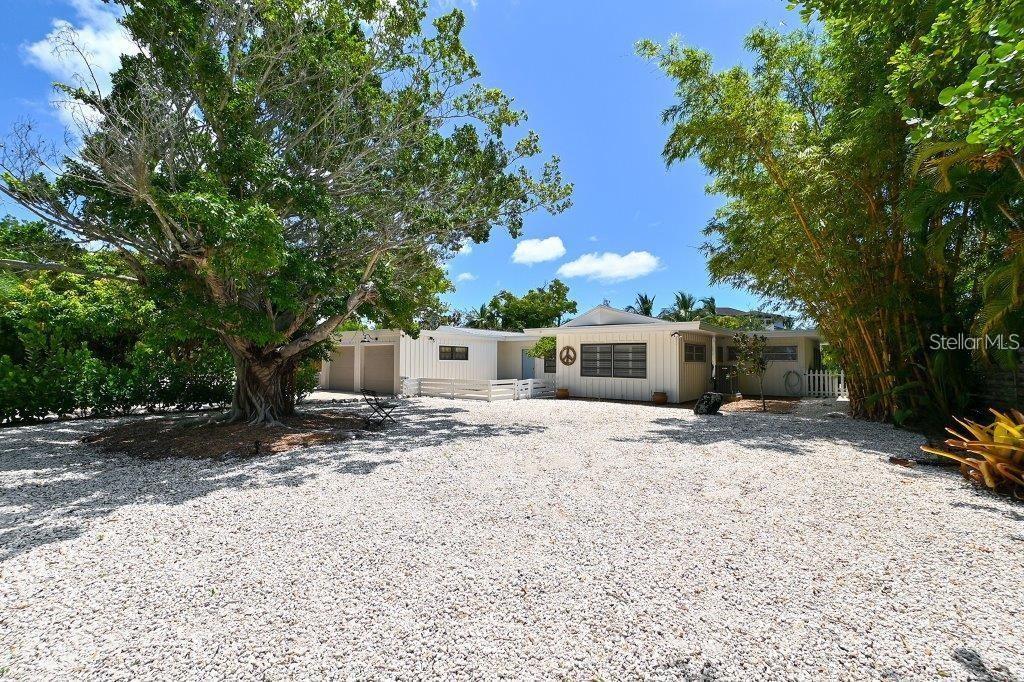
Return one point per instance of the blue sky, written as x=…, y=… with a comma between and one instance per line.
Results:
x=635, y=225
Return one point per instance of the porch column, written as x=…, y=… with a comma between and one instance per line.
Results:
x=714, y=355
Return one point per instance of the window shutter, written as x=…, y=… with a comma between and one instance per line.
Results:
x=596, y=359
x=630, y=360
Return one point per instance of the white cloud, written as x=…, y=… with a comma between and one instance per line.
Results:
x=465, y=247
x=592, y=238
x=530, y=251
x=99, y=37
x=465, y=277
x=611, y=267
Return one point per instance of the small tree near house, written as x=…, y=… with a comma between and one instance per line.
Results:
x=750, y=359
x=544, y=348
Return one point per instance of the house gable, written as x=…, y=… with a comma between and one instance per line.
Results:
x=603, y=315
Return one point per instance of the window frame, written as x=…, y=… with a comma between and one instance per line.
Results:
x=584, y=347
x=687, y=346
x=789, y=357
x=452, y=353
x=553, y=360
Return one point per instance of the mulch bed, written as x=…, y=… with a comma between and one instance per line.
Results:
x=168, y=437
x=775, y=405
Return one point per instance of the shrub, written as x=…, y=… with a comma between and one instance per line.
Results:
x=991, y=455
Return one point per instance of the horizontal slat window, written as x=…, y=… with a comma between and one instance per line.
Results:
x=629, y=360
x=780, y=353
x=596, y=360
x=453, y=352
x=622, y=360
x=695, y=352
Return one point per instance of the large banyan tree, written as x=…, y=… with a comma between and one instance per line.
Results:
x=269, y=169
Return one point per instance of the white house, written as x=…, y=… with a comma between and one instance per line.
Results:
x=603, y=353
x=379, y=359
x=625, y=356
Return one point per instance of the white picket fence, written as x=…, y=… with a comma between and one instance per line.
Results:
x=824, y=384
x=478, y=389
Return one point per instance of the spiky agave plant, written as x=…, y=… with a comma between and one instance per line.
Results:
x=991, y=455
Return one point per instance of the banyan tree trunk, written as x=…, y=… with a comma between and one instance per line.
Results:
x=264, y=391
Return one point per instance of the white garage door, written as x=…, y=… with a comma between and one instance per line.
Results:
x=379, y=368
x=342, y=371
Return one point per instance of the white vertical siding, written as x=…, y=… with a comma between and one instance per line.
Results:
x=662, y=367
x=693, y=376
x=510, y=359
x=419, y=357
x=775, y=377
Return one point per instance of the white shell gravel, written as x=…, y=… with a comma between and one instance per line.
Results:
x=529, y=539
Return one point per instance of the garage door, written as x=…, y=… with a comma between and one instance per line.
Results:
x=342, y=374
x=379, y=368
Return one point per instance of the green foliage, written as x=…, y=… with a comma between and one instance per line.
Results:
x=683, y=308
x=544, y=348
x=963, y=76
x=545, y=306
x=642, y=305
x=71, y=344
x=824, y=211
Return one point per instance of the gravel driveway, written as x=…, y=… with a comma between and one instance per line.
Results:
x=528, y=539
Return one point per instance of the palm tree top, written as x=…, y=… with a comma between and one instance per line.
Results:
x=683, y=308
x=644, y=305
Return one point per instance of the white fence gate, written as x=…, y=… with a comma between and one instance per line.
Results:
x=823, y=384
x=478, y=389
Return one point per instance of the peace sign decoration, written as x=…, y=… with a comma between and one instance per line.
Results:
x=567, y=355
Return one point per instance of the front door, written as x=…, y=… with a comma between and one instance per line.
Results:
x=528, y=364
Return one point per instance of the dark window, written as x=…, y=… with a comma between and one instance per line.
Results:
x=596, y=360
x=453, y=352
x=719, y=353
x=732, y=354
x=780, y=353
x=695, y=352
x=549, y=364
x=624, y=360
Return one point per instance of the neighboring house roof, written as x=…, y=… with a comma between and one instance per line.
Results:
x=736, y=312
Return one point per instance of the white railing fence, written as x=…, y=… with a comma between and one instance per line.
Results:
x=820, y=383
x=478, y=389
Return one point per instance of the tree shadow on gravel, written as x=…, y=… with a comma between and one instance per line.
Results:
x=994, y=506
x=980, y=670
x=53, y=486
x=781, y=433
